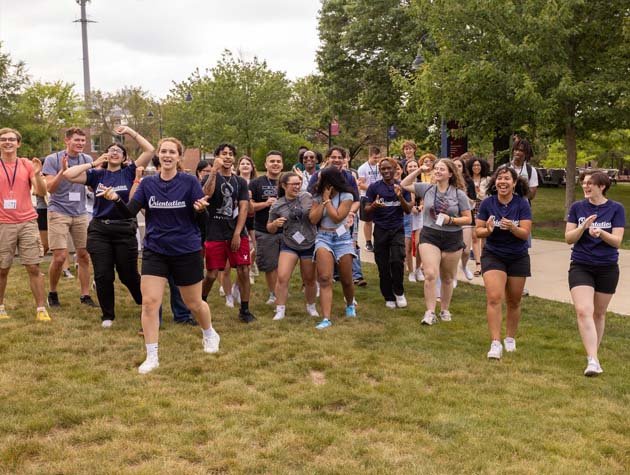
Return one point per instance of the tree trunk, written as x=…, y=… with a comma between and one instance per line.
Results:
x=571, y=144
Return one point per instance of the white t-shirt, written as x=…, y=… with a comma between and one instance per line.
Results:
x=370, y=173
x=532, y=181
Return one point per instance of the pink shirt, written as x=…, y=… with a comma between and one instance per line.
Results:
x=20, y=191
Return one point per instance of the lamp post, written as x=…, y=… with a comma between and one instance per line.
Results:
x=150, y=115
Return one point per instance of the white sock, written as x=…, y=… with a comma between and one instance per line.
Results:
x=207, y=333
x=311, y=306
x=39, y=309
x=152, y=350
x=280, y=308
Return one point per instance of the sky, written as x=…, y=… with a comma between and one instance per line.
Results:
x=151, y=43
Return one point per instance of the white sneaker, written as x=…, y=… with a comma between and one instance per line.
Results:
x=454, y=283
x=229, y=301
x=311, y=309
x=429, y=318
x=221, y=291
x=279, y=315
x=211, y=343
x=271, y=300
x=593, y=368
x=496, y=350
x=467, y=273
x=149, y=365
x=401, y=301
x=510, y=344
x=252, y=279
x=419, y=275
x=525, y=292
x=390, y=304
x=107, y=323
x=445, y=315
x=67, y=274
x=412, y=276
x=236, y=293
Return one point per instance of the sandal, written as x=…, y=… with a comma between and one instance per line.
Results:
x=477, y=272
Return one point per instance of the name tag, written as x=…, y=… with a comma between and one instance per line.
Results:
x=235, y=212
x=10, y=204
x=341, y=230
x=74, y=196
x=298, y=237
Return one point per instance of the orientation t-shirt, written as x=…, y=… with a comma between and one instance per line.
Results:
x=121, y=182
x=590, y=250
x=262, y=188
x=171, y=226
x=68, y=198
x=502, y=242
x=452, y=202
x=392, y=216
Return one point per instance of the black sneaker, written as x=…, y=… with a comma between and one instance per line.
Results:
x=369, y=247
x=246, y=316
x=189, y=321
x=360, y=282
x=87, y=300
x=53, y=299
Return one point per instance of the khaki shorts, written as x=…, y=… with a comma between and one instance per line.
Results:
x=60, y=225
x=22, y=236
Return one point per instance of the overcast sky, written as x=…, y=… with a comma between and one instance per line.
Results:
x=151, y=43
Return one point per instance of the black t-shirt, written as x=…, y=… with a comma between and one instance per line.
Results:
x=223, y=207
x=262, y=188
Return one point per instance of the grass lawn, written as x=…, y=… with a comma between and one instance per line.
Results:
x=549, y=215
x=374, y=395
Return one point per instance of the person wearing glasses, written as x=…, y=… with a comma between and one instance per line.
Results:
x=289, y=214
x=111, y=237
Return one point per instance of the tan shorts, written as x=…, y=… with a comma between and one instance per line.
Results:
x=22, y=236
x=60, y=225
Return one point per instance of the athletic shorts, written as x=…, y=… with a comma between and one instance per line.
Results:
x=445, y=241
x=21, y=236
x=42, y=219
x=218, y=252
x=302, y=254
x=603, y=279
x=60, y=225
x=512, y=266
x=186, y=269
x=267, y=251
x=337, y=245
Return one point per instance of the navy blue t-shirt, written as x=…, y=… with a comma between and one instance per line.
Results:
x=392, y=216
x=121, y=182
x=172, y=229
x=502, y=242
x=590, y=250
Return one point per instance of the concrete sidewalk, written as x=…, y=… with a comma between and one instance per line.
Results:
x=550, y=264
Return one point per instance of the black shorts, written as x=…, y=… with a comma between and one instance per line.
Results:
x=42, y=219
x=603, y=279
x=446, y=241
x=186, y=269
x=512, y=266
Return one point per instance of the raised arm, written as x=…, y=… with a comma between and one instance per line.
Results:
x=409, y=181
x=147, y=149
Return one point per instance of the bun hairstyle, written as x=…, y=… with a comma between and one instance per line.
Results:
x=521, y=188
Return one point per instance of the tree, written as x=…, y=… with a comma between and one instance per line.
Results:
x=13, y=79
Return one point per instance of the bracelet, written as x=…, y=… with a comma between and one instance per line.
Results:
x=451, y=219
x=324, y=203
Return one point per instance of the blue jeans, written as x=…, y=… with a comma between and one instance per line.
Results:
x=181, y=313
x=357, y=273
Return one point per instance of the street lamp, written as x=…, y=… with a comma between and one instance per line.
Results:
x=188, y=97
x=150, y=115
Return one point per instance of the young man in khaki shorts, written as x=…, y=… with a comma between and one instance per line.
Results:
x=67, y=213
x=18, y=218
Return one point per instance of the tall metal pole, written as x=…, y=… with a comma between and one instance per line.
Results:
x=86, y=57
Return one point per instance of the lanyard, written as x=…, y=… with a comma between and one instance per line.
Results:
x=11, y=182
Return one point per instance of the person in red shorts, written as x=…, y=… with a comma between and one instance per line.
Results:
x=226, y=235
x=18, y=218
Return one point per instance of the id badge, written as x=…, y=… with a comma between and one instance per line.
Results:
x=341, y=230
x=74, y=196
x=439, y=220
x=235, y=212
x=10, y=204
x=298, y=237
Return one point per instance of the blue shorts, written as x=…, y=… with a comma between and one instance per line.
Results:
x=302, y=254
x=337, y=245
x=407, y=220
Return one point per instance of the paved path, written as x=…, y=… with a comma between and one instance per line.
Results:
x=550, y=263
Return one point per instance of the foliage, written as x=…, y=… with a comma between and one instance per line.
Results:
x=13, y=78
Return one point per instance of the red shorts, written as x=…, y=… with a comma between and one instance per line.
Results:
x=217, y=252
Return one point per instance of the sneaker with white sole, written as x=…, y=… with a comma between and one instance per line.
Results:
x=149, y=365
x=221, y=291
x=401, y=301
x=351, y=311
x=445, y=316
x=390, y=304
x=454, y=283
x=107, y=323
x=236, y=293
x=467, y=273
x=429, y=318
x=496, y=350
x=419, y=275
x=42, y=315
x=279, y=315
x=510, y=344
x=311, y=309
x=272, y=299
x=67, y=274
x=325, y=323
x=593, y=368
x=412, y=276
x=229, y=301
x=3, y=313
x=211, y=343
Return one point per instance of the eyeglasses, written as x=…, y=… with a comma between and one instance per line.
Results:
x=115, y=150
x=308, y=156
x=8, y=139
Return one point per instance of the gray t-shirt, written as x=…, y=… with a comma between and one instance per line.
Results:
x=296, y=212
x=68, y=198
x=336, y=201
x=452, y=202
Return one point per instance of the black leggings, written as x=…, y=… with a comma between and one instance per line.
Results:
x=113, y=245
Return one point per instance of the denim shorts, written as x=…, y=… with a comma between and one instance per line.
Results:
x=407, y=220
x=302, y=254
x=337, y=245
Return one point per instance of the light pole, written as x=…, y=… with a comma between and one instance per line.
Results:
x=86, y=57
x=150, y=115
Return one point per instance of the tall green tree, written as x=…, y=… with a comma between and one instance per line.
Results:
x=13, y=79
